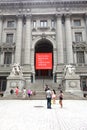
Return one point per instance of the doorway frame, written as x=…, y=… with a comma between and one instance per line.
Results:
x=34, y=42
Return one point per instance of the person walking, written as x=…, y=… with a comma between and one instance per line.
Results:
x=61, y=98
x=48, y=96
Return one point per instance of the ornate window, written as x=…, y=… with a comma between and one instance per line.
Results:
x=34, y=24
x=43, y=23
x=10, y=24
x=9, y=38
x=8, y=58
x=0, y=57
x=53, y=24
x=80, y=57
x=78, y=36
x=77, y=22
x=2, y=84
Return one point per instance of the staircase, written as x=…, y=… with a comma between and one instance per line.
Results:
x=40, y=94
x=39, y=86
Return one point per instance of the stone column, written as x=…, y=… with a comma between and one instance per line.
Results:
x=59, y=39
x=12, y=57
x=55, y=63
x=86, y=26
x=32, y=64
x=18, y=40
x=75, y=58
x=68, y=39
x=55, y=59
x=0, y=29
x=2, y=58
x=85, y=54
x=27, y=40
x=74, y=55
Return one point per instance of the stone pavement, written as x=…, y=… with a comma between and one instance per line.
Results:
x=34, y=115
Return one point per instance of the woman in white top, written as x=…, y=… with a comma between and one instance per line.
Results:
x=53, y=96
x=24, y=93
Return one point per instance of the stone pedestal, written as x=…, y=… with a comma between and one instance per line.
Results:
x=72, y=83
x=13, y=82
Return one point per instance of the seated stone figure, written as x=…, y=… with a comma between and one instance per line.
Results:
x=16, y=70
x=69, y=69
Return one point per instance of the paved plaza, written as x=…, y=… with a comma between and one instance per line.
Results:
x=34, y=115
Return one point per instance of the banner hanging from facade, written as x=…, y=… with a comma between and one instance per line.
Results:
x=43, y=60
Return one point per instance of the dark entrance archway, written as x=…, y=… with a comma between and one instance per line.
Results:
x=3, y=83
x=43, y=46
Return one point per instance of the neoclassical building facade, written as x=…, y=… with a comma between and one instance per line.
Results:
x=29, y=27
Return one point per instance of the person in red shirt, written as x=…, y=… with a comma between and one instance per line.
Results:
x=17, y=90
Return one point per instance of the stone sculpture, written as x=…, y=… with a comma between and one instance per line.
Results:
x=69, y=69
x=16, y=70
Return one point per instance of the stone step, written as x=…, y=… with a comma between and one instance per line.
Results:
x=39, y=85
x=41, y=95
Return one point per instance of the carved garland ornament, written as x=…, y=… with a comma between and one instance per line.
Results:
x=72, y=84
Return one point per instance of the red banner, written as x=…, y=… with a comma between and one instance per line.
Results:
x=43, y=60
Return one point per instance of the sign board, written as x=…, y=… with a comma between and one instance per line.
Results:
x=43, y=60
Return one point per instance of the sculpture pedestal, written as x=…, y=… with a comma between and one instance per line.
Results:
x=72, y=83
x=13, y=82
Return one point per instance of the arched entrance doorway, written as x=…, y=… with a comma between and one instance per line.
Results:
x=44, y=49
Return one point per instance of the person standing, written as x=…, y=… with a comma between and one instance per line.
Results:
x=46, y=87
x=48, y=96
x=24, y=92
x=11, y=91
x=17, y=91
x=61, y=98
x=29, y=93
x=53, y=96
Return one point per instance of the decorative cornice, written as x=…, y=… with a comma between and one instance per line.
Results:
x=79, y=46
x=43, y=36
x=59, y=15
x=39, y=1
x=23, y=7
x=67, y=15
x=67, y=9
x=7, y=45
x=42, y=3
x=83, y=44
x=28, y=16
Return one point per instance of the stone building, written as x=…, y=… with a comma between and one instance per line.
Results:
x=29, y=27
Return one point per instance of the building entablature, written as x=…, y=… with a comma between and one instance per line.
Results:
x=42, y=2
x=49, y=15
x=27, y=5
